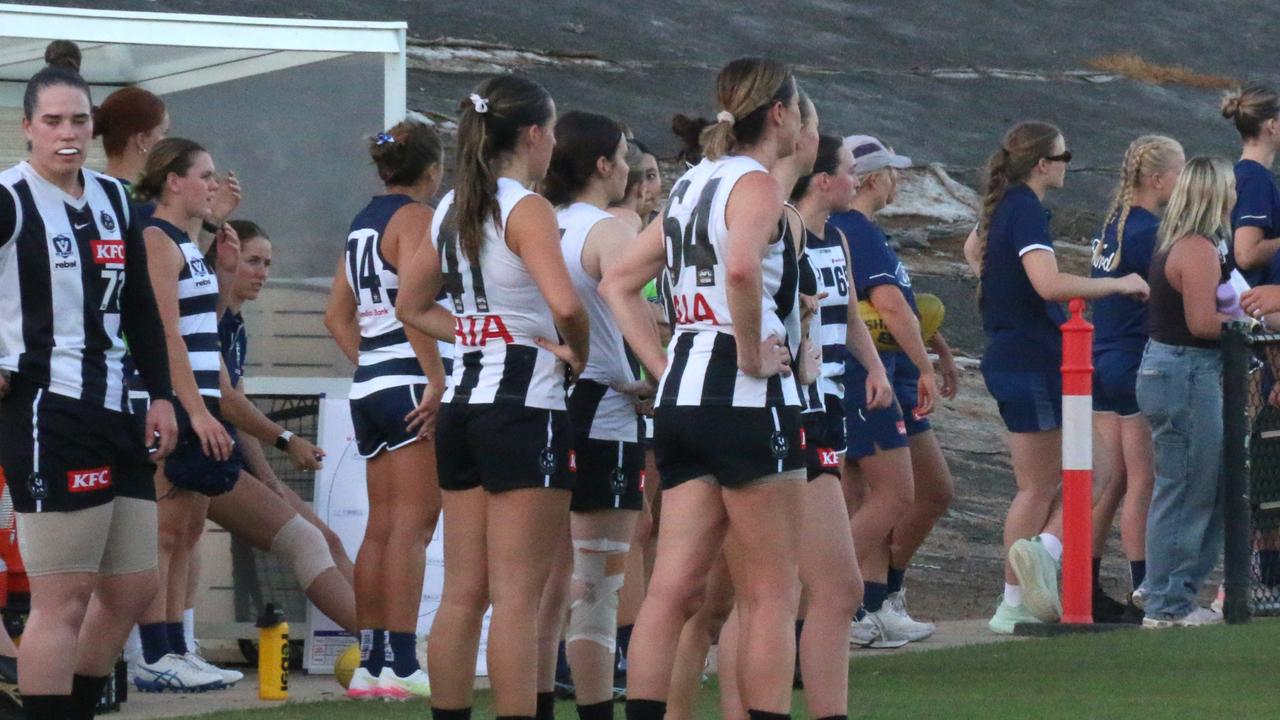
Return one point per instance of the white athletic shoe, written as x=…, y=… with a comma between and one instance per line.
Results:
x=1138, y=599
x=869, y=633
x=913, y=630
x=1037, y=573
x=394, y=687
x=363, y=685
x=229, y=677
x=173, y=672
x=1195, y=618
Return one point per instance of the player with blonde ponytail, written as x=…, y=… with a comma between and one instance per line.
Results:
x=1121, y=435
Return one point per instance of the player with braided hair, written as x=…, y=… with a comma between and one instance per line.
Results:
x=1020, y=288
x=1121, y=435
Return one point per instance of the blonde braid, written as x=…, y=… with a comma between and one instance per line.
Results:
x=1147, y=155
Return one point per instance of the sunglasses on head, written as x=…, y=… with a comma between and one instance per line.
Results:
x=1064, y=157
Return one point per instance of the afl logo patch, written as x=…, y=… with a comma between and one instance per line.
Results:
x=779, y=445
x=107, y=221
x=547, y=461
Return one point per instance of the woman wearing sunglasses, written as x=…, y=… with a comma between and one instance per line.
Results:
x=1019, y=291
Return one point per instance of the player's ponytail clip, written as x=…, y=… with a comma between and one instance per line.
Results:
x=480, y=104
x=383, y=138
x=725, y=116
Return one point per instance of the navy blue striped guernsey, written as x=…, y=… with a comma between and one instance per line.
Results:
x=387, y=359
x=197, y=309
x=64, y=304
x=235, y=344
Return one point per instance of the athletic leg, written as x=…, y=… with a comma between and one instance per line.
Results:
x=934, y=491
x=521, y=524
x=1139, y=460
x=696, y=638
x=765, y=519
x=889, y=497
x=255, y=514
x=552, y=611
x=833, y=587
x=414, y=509
x=455, y=630
x=689, y=540
x=600, y=554
x=58, y=606
x=336, y=549
x=1037, y=469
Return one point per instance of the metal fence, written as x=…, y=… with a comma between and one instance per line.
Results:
x=1251, y=477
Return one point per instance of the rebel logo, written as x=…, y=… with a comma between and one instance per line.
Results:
x=88, y=480
x=107, y=252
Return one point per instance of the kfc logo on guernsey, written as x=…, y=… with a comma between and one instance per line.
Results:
x=88, y=480
x=107, y=252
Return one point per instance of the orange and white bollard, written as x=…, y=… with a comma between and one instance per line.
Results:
x=1077, y=467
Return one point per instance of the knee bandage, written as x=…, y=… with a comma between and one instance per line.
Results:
x=593, y=615
x=304, y=547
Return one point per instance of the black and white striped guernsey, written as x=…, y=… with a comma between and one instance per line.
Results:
x=62, y=271
x=197, y=309
x=386, y=358
x=595, y=407
x=498, y=314
x=702, y=359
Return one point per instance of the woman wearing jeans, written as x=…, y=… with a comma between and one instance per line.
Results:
x=1180, y=392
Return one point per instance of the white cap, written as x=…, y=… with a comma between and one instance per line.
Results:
x=869, y=155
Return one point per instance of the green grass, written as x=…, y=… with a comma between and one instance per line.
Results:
x=1228, y=673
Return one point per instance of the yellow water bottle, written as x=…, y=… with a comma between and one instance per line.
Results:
x=273, y=655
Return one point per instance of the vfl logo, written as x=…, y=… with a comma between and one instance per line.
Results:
x=107, y=221
x=779, y=445
x=107, y=252
x=547, y=461
x=198, y=267
x=88, y=480
x=62, y=246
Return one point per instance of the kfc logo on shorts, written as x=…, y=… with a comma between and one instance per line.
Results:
x=828, y=458
x=107, y=252
x=89, y=480
x=573, y=461
x=804, y=440
x=902, y=427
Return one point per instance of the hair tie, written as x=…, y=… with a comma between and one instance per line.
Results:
x=725, y=116
x=480, y=104
x=382, y=139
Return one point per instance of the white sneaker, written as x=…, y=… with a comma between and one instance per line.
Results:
x=1220, y=600
x=1037, y=573
x=394, y=687
x=1195, y=618
x=1138, y=598
x=913, y=630
x=868, y=633
x=363, y=685
x=229, y=677
x=173, y=672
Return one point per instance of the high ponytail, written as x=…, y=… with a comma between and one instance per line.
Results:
x=489, y=126
x=1024, y=145
x=746, y=89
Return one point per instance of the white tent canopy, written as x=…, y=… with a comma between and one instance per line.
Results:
x=170, y=52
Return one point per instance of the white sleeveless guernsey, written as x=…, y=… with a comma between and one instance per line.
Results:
x=498, y=313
